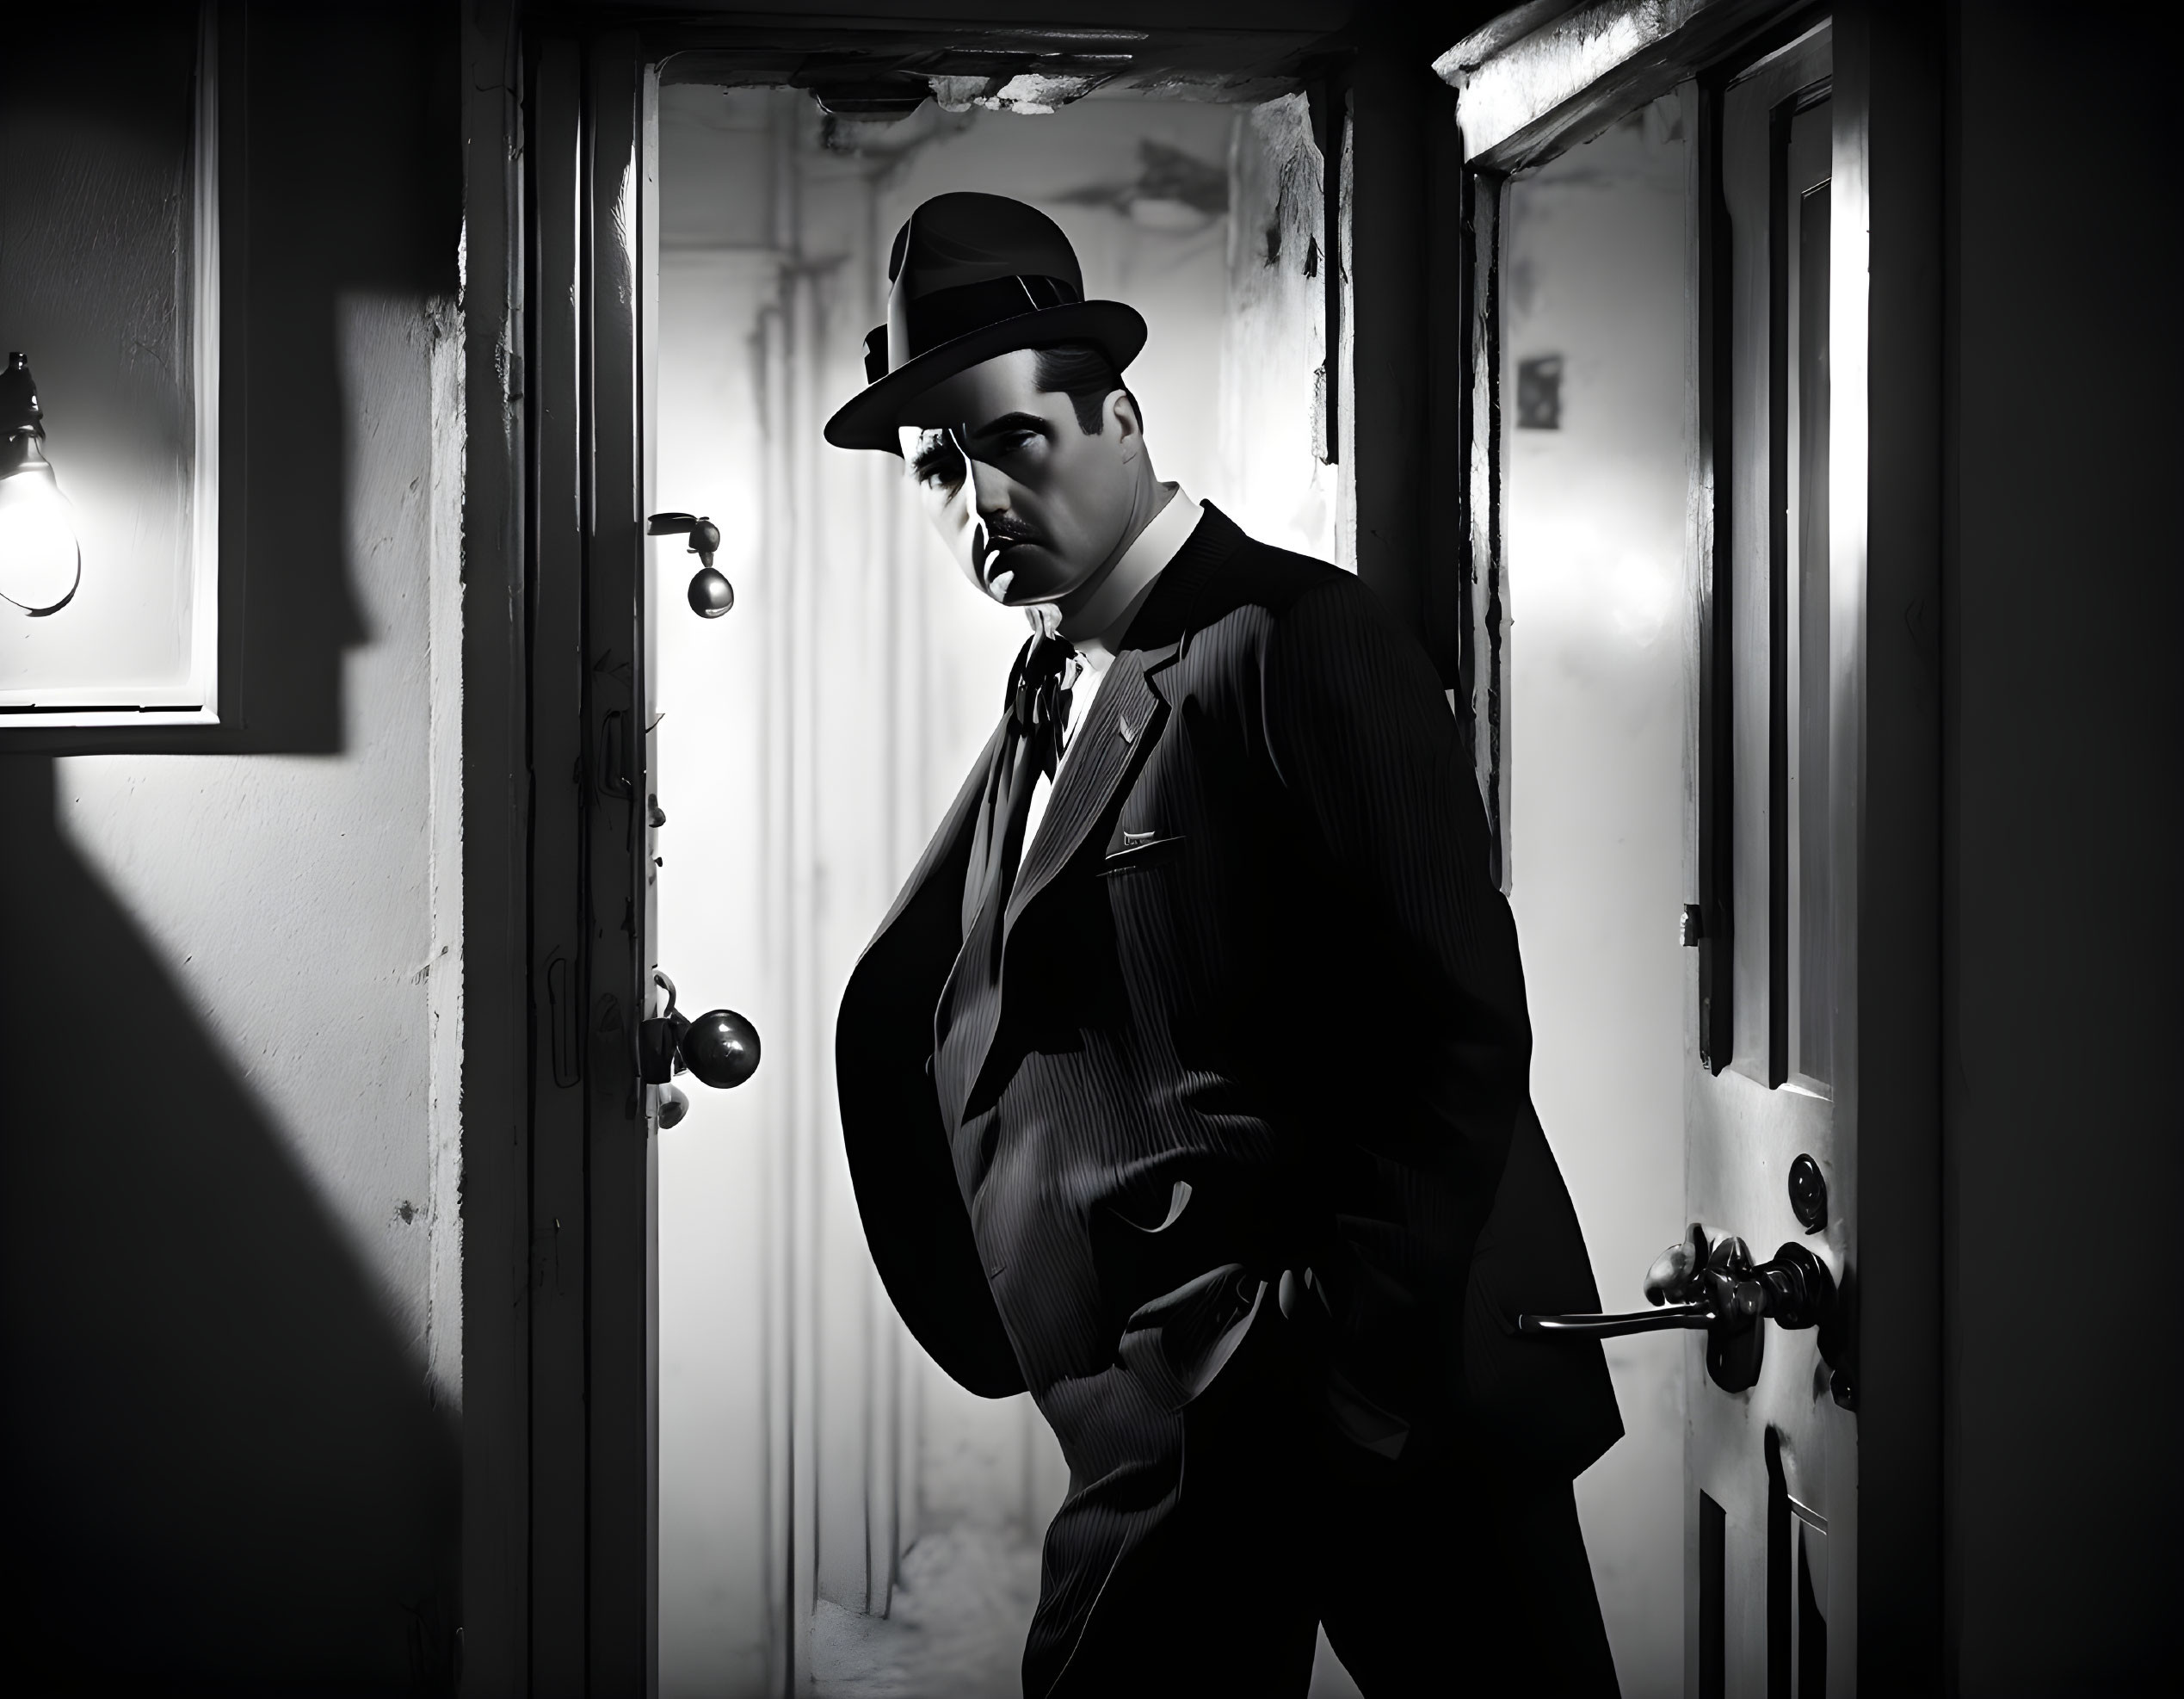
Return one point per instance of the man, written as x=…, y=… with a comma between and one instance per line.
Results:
x=1186, y=1083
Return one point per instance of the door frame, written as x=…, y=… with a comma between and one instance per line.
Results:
x=559, y=1432
x=594, y=1323
x=558, y=1549
x=1525, y=96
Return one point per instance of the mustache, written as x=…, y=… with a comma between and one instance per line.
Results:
x=986, y=540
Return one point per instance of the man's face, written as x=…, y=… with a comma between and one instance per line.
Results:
x=1030, y=505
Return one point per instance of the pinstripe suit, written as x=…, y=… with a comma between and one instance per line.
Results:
x=1258, y=1008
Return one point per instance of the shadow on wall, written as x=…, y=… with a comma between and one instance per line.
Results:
x=220, y=1463
x=223, y=1468
x=355, y=186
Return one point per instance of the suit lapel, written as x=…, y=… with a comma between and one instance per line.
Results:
x=1124, y=715
x=1124, y=722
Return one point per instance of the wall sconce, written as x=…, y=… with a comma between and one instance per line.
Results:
x=39, y=561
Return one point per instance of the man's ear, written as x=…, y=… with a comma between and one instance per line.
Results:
x=1119, y=415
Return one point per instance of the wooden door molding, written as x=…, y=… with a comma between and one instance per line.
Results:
x=1888, y=95
x=493, y=1640
x=1528, y=94
x=559, y=1445
x=593, y=1327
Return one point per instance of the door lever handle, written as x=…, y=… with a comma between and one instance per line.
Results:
x=1795, y=1290
x=1668, y=1316
x=1730, y=1295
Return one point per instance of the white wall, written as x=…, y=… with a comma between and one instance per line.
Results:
x=309, y=906
x=1276, y=481
x=1595, y=728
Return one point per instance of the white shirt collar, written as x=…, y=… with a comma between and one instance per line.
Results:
x=1102, y=623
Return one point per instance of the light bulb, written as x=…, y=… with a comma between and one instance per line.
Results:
x=39, y=561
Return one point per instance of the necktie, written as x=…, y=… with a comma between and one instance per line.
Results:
x=1039, y=713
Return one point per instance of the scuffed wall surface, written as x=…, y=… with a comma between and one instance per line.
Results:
x=1275, y=445
x=228, y=1244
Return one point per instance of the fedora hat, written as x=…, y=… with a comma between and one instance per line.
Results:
x=971, y=276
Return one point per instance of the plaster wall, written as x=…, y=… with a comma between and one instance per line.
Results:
x=229, y=1049
x=1594, y=274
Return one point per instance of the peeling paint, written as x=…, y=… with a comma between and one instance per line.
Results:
x=1037, y=93
x=1276, y=444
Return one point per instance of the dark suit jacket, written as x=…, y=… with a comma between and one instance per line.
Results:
x=1254, y=949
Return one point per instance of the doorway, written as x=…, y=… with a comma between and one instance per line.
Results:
x=744, y=795
x=835, y=1514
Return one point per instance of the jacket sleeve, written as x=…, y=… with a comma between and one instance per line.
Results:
x=1361, y=738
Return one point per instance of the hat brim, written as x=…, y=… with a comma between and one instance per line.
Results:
x=871, y=417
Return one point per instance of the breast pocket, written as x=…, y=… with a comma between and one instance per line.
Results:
x=1130, y=851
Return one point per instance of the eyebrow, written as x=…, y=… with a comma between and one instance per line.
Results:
x=1019, y=421
x=937, y=446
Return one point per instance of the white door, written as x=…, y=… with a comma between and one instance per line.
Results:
x=1771, y=1450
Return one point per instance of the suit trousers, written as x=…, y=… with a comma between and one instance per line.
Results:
x=1432, y=1575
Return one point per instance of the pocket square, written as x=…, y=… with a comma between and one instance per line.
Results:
x=1139, y=848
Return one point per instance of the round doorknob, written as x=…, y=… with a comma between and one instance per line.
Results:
x=711, y=593
x=672, y=1105
x=721, y=1049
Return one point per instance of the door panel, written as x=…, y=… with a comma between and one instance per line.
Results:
x=1778, y=1458
x=1805, y=973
